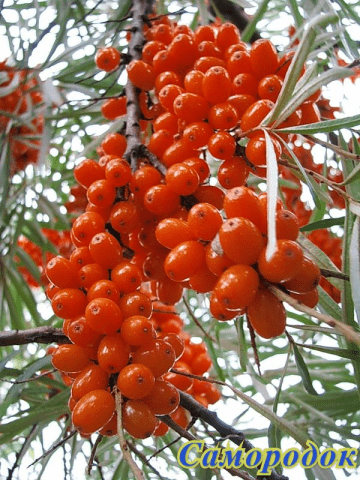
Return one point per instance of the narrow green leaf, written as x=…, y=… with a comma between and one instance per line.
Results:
x=28, y=263
x=304, y=372
x=323, y=127
x=340, y=352
x=251, y=26
x=243, y=348
x=326, y=223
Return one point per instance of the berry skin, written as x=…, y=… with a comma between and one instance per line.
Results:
x=138, y=419
x=222, y=145
x=216, y=85
x=267, y=314
x=141, y=74
x=284, y=265
x=241, y=240
x=204, y=221
x=105, y=289
x=135, y=303
x=137, y=330
x=182, y=179
x=87, y=172
x=90, y=378
x=105, y=250
x=70, y=358
x=81, y=334
x=163, y=399
x=113, y=353
x=156, y=354
x=62, y=273
x=127, y=277
x=104, y=316
x=233, y=173
x=69, y=303
x=184, y=260
x=135, y=381
x=107, y=59
x=86, y=226
x=263, y=58
x=237, y=286
x=93, y=411
x=190, y=107
x=307, y=278
x=161, y=200
x=172, y=231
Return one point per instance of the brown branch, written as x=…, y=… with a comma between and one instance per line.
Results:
x=330, y=273
x=93, y=454
x=33, y=335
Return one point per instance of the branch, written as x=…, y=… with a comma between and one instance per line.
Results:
x=33, y=335
x=341, y=327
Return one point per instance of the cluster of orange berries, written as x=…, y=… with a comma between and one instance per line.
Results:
x=145, y=235
x=61, y=241
x=25, y=95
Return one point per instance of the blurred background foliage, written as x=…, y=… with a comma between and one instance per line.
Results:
x=309, y=382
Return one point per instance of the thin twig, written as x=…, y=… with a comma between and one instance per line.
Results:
x=20, y=452
x=93, y=454
x=341, y=327
x=54, y=447
x=144, y=459
x=191, y=313
x=33, y=335
x=138, y=474
x=330, y=273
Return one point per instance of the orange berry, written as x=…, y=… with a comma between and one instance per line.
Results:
x=237, y=286
x=135, y=381
x=241, y=240
x=266, y=314
x=284, y=264
x=107, y=58
x=93, y=411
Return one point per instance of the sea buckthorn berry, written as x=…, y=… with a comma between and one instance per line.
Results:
x=245, y=84
x=124, y=216
x=91, y=273
x=105, y=159
x=126, y=276
x=87, y=172
x=228, y=34
x=156, y=354
x=101, y=193
x=136, y=303
x=153, y=265
x=241, y=103
x=266, y=314
x=201, y=364
x=163, y=33
x=62, y=273
x=241, y=240
x=92, y=377
x=177, y=152
x=114, y=144
x=168, y=291
x=310, y=298
x=70, y=358
x=181, y=417
x=141, y=74
x=294, y=119
x=105, y=250
x=190, y=107
x=184, y=260
x=208, y=49
x=163, y=399
x=176, y=342
x=239, y=62
x=182, y=179
x=137, y=418
x=172, y=231
x=93, y=411
x=219, y=311
x=284, y=265
x=167, y=78
x=159, y=142
x=104, y=316
x=243, y=202
x=145, y=177
x=104, y=289
x=183, y=51
x=80, y=257
x=86, y=226
x=150, y=49
x=204, y=221
x=118, y=172
x=200, y=166
x=107, y=58
x=233, y=172
x=307, y=278
x=223, y=116
x=255, y=150
x=166, y=121
x=181, y=382
x=69, y=303
x=216, y=85
x=203, y=281
x=193, y=82
x=51, y=290
x=137, y=330
x=237, y=286
x=204, y=32
x=222, y=145
x=113, y=353
x=161, y=200
x=269, y=87
x=167, y=96
x=110, y=428
x=81, y=334
x=310, y=113
x=255, y=114
x=210, y=194
x=114, y=108
x=135, y=381
x=197, y=134
x=163, y=62
x=287, y=225
x=216, y=262
x=263, y=57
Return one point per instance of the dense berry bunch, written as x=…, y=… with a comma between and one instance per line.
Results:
x=24, y=95
x=153, y=229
